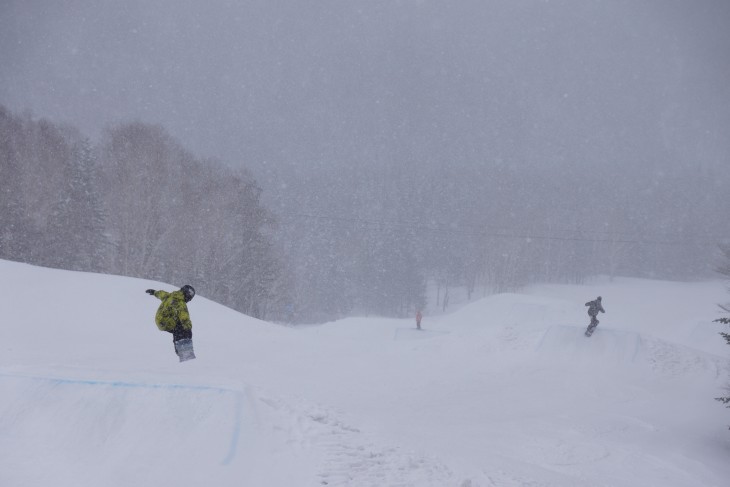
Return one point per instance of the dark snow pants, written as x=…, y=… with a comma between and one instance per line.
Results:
x=180, y=333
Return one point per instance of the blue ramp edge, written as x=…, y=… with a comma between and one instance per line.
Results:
x=237, y=398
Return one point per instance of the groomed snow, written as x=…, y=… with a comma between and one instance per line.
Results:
x=505, y=391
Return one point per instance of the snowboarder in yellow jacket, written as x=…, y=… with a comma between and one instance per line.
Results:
x=173, y=317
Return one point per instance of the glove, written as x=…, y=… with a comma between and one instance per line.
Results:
x=150, y=291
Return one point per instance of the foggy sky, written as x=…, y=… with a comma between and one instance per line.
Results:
x=281, y=85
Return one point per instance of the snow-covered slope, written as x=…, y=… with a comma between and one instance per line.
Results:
x=505, y=391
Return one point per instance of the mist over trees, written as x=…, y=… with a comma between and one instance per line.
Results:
x=488, y=226
x=368, y=241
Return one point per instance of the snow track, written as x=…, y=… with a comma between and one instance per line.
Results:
x=346, y=456
x=674, y=360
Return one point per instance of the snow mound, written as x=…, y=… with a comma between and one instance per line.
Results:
x=502, y=392
x=627, y=348
x=675, y=360
x=605, y=345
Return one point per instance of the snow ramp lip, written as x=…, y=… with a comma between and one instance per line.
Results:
x=570, y=343
x=85, y=403
x=401, y=334
x=119, y=383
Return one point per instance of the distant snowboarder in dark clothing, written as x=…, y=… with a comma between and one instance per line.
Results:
x=173, y=317
x=593, y=308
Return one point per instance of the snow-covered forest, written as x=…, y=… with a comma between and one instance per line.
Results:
x=139, y=204
x=136, y=204
x=303, y=165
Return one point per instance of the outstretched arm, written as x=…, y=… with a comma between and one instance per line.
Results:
x=158, y=294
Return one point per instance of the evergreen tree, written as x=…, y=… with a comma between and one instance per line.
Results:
x=725, y=270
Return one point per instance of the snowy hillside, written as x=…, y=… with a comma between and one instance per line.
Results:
x=506, y=391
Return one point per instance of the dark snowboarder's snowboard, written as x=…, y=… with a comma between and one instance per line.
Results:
x=184, y=349
x=591, y=328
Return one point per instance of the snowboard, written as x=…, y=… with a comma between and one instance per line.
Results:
x=592, y=327
x=184, y=349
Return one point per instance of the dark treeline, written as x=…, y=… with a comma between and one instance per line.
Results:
x=137, y=204
x=366, y=238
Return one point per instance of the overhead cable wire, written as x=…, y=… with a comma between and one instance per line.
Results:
x=455, y=229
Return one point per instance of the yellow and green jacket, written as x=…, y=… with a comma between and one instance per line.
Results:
x=172, y=311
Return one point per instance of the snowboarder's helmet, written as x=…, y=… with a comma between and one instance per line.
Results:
x=188, y=291
x=599, y=298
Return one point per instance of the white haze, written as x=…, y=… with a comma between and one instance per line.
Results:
x=266, y=83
